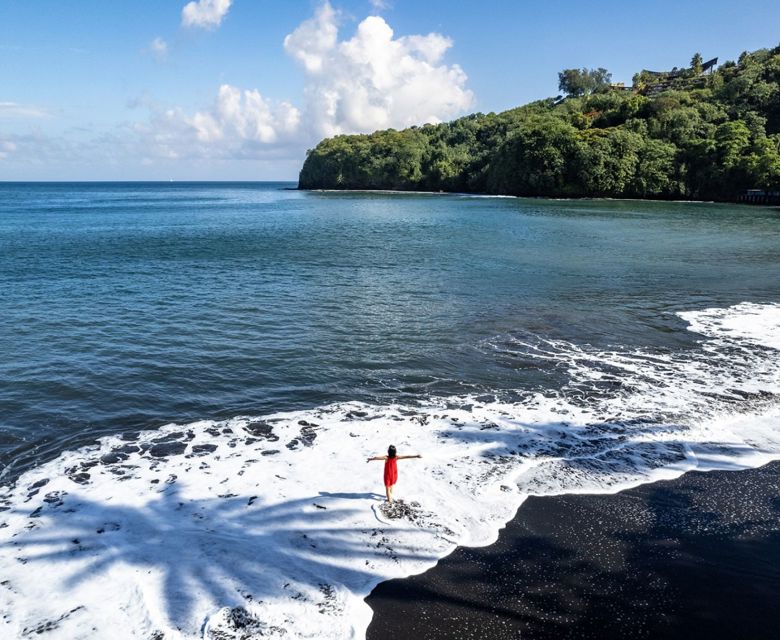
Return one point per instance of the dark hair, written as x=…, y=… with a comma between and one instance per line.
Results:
x=391, y=451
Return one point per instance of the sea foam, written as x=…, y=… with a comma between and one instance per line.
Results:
x=272, y=526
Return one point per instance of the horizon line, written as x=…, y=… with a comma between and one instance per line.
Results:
x=145, y=181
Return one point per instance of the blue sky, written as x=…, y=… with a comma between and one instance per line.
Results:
x=127, y=90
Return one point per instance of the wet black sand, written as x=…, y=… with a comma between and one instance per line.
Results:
x=696, y=557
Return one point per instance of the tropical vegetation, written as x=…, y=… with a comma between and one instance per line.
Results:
x=687, y=133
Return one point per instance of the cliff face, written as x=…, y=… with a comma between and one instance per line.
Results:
x=709, y=137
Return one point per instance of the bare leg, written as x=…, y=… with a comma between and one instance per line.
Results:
x=389, y=493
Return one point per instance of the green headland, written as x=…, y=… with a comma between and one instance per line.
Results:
x=703, y=132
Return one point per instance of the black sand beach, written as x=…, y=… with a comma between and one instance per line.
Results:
x=696, y=557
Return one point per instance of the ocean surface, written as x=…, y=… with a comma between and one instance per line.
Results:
x=192, y=375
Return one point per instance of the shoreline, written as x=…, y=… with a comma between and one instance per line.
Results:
x=695, y=556
x=551, y=198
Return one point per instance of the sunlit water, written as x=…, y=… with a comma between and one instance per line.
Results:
x=523, y=346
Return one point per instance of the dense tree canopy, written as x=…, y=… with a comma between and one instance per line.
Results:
x=700, y=136
x=583, y=82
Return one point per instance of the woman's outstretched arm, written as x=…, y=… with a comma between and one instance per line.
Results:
x=377, y=458
x=407, y=457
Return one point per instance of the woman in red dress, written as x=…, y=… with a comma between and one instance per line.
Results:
x=391, y=469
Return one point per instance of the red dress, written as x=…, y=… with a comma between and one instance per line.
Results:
x=391, y=472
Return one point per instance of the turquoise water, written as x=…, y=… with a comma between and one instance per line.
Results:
x=193, y=375
x=128, y=306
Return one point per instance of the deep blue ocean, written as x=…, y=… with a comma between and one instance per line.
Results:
x=130, y=305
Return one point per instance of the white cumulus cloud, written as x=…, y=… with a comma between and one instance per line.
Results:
x=374, y=80
x=367, y=79
x=240, y=123
x=245, y=115
x=311, y=42
x=204, y=13
x=371, y=80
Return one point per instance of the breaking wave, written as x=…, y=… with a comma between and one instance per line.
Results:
x=273, y=525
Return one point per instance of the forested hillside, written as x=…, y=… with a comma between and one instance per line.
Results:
x=681, y=134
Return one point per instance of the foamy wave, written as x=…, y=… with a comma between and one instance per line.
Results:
x=756, y=323
x=269, y=526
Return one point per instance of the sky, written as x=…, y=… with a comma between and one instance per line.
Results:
x=240, y=89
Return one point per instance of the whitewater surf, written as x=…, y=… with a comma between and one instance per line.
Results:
x=267, y=525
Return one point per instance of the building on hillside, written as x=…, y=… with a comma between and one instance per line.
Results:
x=709, y=66
x=651, y=83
